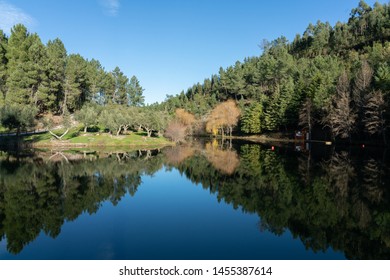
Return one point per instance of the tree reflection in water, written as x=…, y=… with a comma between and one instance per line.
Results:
x=336, y=200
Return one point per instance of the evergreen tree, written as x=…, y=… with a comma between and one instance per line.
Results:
x=17, y=56
x=121, y=87
x=55, y=68
x=251, y=120
x=75, y=85
x=38, y=82
x=3, y=65
x=136, y=97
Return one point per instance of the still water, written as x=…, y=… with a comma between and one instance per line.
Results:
x=198, y=201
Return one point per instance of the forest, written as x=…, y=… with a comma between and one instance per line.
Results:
x=331, y=79
x=331, y=82
x=44, y=87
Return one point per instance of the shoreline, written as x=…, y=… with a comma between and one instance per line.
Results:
x=93, y=145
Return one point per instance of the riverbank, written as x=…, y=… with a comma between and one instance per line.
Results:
x=280, y=137
x=73, y=139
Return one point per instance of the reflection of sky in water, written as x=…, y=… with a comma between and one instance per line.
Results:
x=3, y=247
x=168, y=218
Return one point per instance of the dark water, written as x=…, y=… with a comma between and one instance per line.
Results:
x=200, y=201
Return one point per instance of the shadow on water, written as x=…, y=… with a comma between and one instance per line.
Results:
x=327, y=197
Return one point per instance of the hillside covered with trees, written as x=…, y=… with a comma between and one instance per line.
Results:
x=43, y=85
x=332, y=79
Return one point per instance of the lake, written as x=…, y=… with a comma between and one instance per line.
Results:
x=212, y=200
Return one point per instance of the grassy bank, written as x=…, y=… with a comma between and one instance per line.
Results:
x=75, y=138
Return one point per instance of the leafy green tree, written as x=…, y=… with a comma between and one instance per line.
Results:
x=13, y=116
x=152, y=120
x=110, y=118
x=88, y=115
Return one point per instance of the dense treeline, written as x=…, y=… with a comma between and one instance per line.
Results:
x=41, y=82
x=46, y=77
x=333, y=81
x=333, y=78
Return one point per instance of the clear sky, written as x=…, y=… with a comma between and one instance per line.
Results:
x=169, y=45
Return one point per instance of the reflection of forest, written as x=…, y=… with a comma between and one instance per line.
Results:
x=41, y=193
x=337, y=201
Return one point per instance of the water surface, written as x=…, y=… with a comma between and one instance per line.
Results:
x=199, y=201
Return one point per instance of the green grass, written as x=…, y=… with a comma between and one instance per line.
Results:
x=75, y=137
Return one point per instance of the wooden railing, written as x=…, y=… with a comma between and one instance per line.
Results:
x=23, y=132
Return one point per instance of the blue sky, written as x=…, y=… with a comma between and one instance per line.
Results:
x=169, y=45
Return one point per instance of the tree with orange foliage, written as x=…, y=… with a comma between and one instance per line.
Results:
x=181, y=126
x=185, y=117
x=223, y=117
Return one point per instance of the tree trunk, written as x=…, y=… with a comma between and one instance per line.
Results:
x=119, y=131
x=64, y=103
x=85, y=128
x=59, y=137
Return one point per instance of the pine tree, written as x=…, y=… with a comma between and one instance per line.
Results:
x=75, y=86
x=121, y=87
x=251, y=121
x=17, y=56
x=96, y=79
x=3, y=66
x=135, y=93
x=38, y=82
x=55, y=69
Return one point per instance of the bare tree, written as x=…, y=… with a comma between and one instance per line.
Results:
x=362, y=82
x=176, y=131
x=341, y=118
x=374, y=110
